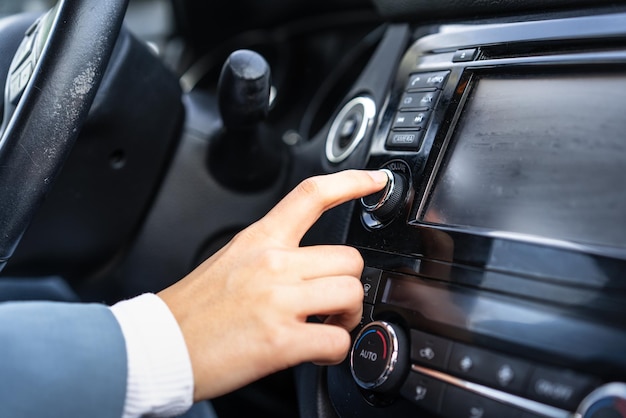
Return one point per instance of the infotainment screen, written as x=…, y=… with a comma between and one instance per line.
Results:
x=540, y=155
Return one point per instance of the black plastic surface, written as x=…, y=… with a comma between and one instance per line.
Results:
x=193, y=215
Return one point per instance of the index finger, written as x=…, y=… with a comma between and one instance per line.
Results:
x=292, y=217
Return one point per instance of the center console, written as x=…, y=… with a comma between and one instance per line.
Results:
x=495, y=279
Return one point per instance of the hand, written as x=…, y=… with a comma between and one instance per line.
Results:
x=243, y=312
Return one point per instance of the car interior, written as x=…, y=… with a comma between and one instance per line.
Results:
x=138, y=137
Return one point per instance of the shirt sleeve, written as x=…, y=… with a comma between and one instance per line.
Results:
x=160, y=377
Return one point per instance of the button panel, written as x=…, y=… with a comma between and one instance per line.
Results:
x=23, y=65
x=445, y=369
x=19, y=80
x=492, y=369
x=415, y=109
x=453, y=380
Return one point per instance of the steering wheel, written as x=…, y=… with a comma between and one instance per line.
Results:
x=52, y=82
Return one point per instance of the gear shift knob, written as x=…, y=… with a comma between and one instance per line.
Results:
x=244, y=90
x=247, y=155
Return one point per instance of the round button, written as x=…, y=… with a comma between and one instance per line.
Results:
x=349, y=128
x=608, y=401
x=379, y=359
x=387, y=203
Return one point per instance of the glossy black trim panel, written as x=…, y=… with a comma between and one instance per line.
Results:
x=551, y=303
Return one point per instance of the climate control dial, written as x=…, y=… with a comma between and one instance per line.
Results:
x=608, y=401
x=379, y=357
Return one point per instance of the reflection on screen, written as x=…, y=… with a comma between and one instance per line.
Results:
x=544, y=156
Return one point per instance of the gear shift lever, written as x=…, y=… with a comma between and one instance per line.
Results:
x=245, y=157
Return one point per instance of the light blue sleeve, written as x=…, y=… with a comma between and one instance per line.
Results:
x=61, y=360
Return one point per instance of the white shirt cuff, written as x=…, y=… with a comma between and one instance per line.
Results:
x=160, y=378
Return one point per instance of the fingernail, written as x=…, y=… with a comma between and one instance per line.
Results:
x=379, y=176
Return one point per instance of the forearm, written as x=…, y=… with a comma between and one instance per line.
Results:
x=61, y=359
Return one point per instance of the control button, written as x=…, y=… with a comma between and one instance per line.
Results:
x=608, y=401
x=387, y=203
x=31, y=29
x=25, y=73
x=489, y=368
x=349, y=128
x=405, y=140
x=429, y=350
x=371, y=280
x=559, y=388
x=423, y=391
x=378, y=359
x=423, y=81
x=414, y=120
x=23, y=51
x=465, y=55
x=368, y=314
x=459, y=403
x=14, y=89
x=419, y=101
x=19, y=81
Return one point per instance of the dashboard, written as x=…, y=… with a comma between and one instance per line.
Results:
x=495, y=256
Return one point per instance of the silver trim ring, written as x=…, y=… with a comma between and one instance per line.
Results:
x=614, y=389
x=392, y=361
x=336, y=154
x=388, y=191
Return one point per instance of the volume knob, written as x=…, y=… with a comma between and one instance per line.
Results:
x=379, y=357
x=387, y=203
